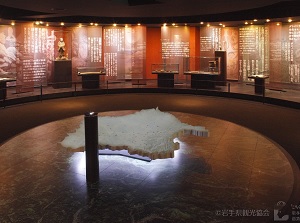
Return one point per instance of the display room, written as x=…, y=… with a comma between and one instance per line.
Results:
x=150, y=111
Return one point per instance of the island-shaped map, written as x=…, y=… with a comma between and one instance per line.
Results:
x=149, y=132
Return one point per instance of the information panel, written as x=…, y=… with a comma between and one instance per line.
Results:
x=125, y=51
x=253, y=51
x=210, y=41
x=175, y=45
x=291, y=53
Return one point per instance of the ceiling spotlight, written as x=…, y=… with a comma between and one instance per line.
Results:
x=173, y=24
x=277, y=23
x=114, y=24
x=290, y=20
x=37, y=22
x=79, y=25
x=208, y=25
x=201, y=23
x=47, y=24
x=62, y=23
x=268, y=20
x=246, y=23
x=165, y=24
x=220, y=24
x=255, y=20
x=139, y=24
x=13, y=23
x=96, y=24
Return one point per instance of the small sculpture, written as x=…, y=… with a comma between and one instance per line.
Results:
x=61, y=49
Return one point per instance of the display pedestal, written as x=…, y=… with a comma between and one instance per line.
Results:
x=62, y=74
x=90, y=80
x=165, y=79
x=3, y=87
x=259, y=83
x=222, y=77
x=202, y=80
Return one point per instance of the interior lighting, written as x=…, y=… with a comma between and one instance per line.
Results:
x=62, y=23
x=139, y=24
x=96, y=24
x=37, y=23
x=13, y=23
x=224, y=26
x=173, y=24
x=277, y=23
x=255, y=20
x=165, y=24
x=246, y=23
x=201, y=23
x=47, y=24
x=208, y=25
x=114, y=24
x=79, y=25
x=220, y=24
x=290, y=20
x=126, y=26
x=268, y=20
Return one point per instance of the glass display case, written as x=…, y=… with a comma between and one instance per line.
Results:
x=165, y=68
x=202, y=65
x=90, y=70
x=62, y=45
x=90, y=76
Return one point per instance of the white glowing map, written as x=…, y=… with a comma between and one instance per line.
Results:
x=147, y=132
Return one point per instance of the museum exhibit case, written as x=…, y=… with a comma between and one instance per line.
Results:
x=259, y=82
x=62, y=64
x=3, y=86
x=90, y=76
x=222, y=77
x=202, y=70
x=165, y=74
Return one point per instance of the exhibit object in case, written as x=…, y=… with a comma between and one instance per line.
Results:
x=222, y=77
x=3, y=87
x=259, y=82
x=165, y=74
x=62, y=74
x=203, y=71
x=90, y=76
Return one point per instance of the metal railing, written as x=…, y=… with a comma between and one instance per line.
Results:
x=65, y=89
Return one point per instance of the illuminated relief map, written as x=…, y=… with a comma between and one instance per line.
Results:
x=147, y=132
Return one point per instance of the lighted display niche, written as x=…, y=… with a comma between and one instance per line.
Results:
x=148, y=132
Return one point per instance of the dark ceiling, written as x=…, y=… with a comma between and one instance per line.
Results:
x=147, y=11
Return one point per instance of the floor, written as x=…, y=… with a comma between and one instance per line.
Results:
x=249, y=163
x=234, y=175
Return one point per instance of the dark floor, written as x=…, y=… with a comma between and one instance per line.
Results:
x=245, y=167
